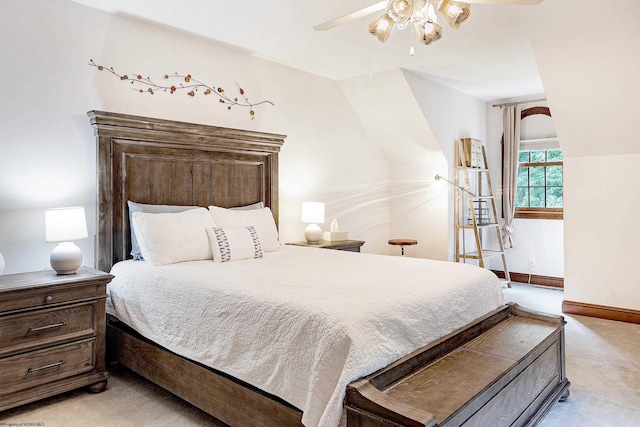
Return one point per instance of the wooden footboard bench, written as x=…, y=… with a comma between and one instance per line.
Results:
x=506, y=369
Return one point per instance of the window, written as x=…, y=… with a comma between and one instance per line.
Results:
x=539, y=192
x=539, y=187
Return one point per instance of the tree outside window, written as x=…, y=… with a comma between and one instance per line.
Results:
x=539, y=187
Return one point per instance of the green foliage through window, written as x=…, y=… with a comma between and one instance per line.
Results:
x=539, y=179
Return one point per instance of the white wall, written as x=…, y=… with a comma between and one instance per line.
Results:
x=540, y=239
x=388, y=109
x=451, y=115
x=47, y=147
x=593, y=93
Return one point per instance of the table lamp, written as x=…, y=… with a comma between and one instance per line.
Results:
x=64, y=225
x=313, y=213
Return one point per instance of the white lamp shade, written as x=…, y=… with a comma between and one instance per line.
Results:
x=312, y=212
x=65, y=224
x=1, y=263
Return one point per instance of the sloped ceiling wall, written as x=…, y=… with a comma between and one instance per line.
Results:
x=593, y=93
x=415, y=122
x=389, y=111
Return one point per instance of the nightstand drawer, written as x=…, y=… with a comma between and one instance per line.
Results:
x=37, y=367
x=44, y=327
x=45, y=296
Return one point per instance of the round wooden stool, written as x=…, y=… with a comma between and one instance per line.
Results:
x=402, y=243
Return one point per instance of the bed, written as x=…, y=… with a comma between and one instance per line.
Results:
x=161, y=162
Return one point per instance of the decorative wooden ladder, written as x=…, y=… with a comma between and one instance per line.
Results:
x=480, y=217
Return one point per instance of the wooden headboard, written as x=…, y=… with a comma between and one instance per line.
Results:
x=148, y=160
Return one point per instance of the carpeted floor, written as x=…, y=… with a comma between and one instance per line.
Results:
x=603, y=365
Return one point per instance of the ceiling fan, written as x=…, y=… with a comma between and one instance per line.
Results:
x=422, y=13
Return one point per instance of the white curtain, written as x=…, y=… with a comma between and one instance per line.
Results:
x=511, y=130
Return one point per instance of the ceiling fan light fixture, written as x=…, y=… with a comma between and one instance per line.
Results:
x=381, y=27
x=455, y=12
x=400, y=11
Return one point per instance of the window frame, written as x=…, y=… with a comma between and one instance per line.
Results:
x=540, y=212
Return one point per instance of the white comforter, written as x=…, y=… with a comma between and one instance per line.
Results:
x=301, y=323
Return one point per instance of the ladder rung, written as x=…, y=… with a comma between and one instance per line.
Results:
x=477, y=169
x=471, y=227
x=485, y=254
x=483, y=197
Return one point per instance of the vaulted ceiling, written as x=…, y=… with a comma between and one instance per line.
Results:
x=489, y=57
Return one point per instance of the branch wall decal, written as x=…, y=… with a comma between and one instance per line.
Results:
x=184, y=83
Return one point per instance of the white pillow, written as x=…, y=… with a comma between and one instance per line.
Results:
x=234, y=243
x=142, y=207
x=167, y=238
x=261, y=219
x=257, y=205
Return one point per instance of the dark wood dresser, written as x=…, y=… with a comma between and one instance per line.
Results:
x=52, y=334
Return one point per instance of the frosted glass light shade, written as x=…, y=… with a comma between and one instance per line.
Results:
x=420, y=11
x=430, y=32
x=312, y=212
x=65, y=224
x=381, y=27
x=455, y=12
x=400, y=11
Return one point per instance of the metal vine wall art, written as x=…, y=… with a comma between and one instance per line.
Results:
x=184, y=83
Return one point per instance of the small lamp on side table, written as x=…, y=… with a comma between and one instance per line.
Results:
x=313, y=213
x=64, y=225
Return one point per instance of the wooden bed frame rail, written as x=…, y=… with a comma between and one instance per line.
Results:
x=228, y=399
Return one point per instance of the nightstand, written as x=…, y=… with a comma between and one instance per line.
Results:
x=52, y=331
x=341, y=245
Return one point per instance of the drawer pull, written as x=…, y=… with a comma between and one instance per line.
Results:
x=53, y=365
x=48, y=299
x=42, y=328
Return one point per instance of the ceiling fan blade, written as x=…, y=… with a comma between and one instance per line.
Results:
x=383, y=4
x=352, y=16
x=507, y=2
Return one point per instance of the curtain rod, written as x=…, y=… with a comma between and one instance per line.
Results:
x=528, y=101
